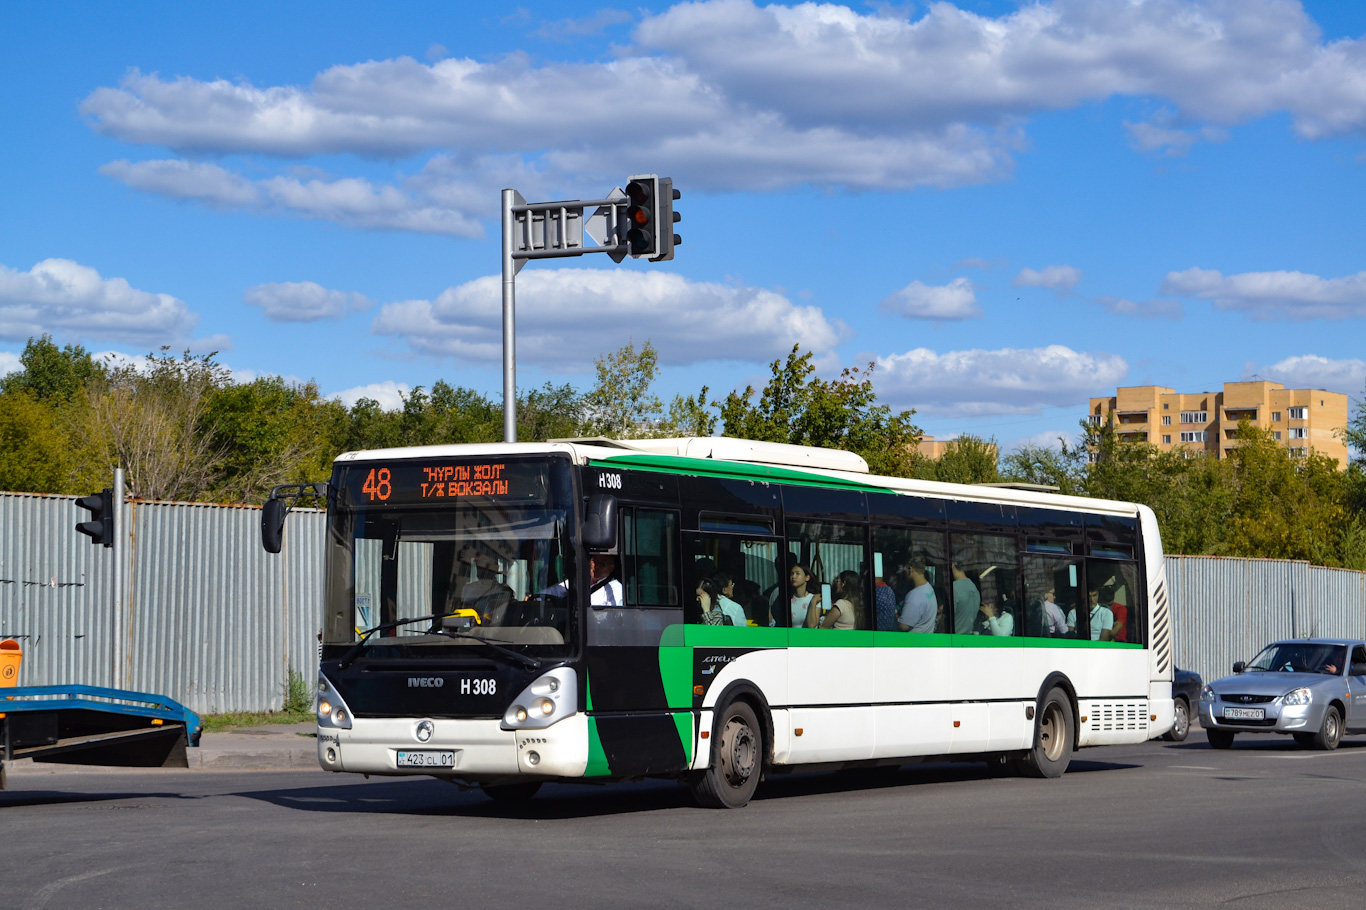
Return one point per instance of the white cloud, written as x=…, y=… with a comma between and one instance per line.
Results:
x=65, y=298
x=9, y=363
x=567, y=317
x=1310, y=371
x=739, y=96
x=303, y=301
x=1048, y=439
x=1267, y=296
x=349, y=201
x=1004, y=381
x=1156, y=308
x=1055, y=277
x=955, y=300
x=389, y=394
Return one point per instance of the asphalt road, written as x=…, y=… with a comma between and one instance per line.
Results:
x=1158, y=825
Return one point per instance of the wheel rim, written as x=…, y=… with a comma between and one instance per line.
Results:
x=1183, y=720
x=737, y=752
x=1051, y=731
x=1330, y=725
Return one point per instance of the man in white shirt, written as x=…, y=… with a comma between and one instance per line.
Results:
x=1054, y=621
x=604, y=590
x=920, y=608
x=1102, y=620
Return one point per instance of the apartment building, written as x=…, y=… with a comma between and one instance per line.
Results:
x=1300, y=419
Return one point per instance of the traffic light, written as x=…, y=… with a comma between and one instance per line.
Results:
x=100, y=527
x=650, y=217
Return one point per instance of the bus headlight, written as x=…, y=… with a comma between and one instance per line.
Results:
x=549, y=699
x=332, y=711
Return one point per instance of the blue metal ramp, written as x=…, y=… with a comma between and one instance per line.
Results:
x=91, y=725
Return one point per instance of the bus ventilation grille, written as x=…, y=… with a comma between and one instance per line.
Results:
x=1161, y=638
x=1123, y=715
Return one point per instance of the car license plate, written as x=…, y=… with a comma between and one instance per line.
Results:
x=426, y=759
x=1245, y=713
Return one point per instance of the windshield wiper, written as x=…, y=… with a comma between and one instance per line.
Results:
x=496, y=645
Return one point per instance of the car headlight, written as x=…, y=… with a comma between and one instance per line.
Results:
x=1207, y=693
x=1300, y=696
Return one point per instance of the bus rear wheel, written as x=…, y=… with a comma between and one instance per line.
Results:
x=737, y=760
x=511, y=793
x=1053, y=738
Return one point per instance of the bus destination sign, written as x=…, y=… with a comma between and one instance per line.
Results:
x=415, y=481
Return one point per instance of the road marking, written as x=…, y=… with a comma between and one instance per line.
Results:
x=45, y=893
x=1194, y=768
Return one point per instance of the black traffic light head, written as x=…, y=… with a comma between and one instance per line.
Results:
x=642, y=228
x=650, y=217
x=100, y=527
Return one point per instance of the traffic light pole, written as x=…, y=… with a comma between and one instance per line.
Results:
x=119, y=626
x=555, y=230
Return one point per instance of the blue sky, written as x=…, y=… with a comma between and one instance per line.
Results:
x=1008, y=207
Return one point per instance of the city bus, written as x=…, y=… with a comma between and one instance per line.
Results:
x=503, y=615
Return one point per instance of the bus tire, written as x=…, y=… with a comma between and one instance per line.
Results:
x=737, y=760
x=1054, y=733
x=511, y=793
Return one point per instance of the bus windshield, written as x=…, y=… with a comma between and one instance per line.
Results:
x=479, y=548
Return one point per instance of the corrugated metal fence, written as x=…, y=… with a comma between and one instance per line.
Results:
x=207, y=617
x=1226, y=609
x=215, y=622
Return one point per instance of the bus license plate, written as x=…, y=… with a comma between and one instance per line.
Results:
x=1245, y=713
x=426, y=759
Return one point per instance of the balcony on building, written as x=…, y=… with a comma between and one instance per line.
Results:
x=1129, y=418
x=1233, y=415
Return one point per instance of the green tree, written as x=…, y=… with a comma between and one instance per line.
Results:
x=967, y=459
x=800, y=408
x=621, y=405
x=52, y=374
x=33, y=448
x=268, y=432
x=1063, y=467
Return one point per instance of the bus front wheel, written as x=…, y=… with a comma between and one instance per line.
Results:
x=737, y=760
x=1053, y=738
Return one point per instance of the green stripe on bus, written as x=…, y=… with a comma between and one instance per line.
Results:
x=675, y=669
x=597, y=757
x=683, y=720
x=702, y=467
x=676, y=636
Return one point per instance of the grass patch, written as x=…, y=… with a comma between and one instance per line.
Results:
x=217, y=723
x=298, y=709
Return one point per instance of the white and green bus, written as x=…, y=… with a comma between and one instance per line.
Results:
x=717, y=610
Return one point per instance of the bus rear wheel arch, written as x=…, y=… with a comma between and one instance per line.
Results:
x=739, y=751
x=1055, y=736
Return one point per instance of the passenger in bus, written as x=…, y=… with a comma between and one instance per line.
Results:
x=709, y=599
x=1055, y=623
x=993, y=619
x=966, y=601
x=805, y=604
x=1121, y=612
x=843, y=614
x=920, y=609
x=725, y=584
x=1102, y=620
x=884, y=605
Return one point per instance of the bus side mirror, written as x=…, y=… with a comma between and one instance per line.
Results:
x=273, y=525
x=600, y=523
x=1239, y=667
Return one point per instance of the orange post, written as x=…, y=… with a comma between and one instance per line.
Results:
x=11, y=656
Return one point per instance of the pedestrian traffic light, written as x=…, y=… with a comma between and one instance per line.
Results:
x=650, y=217
x=100, y=527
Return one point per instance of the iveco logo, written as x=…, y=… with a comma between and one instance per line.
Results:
x=425, y=682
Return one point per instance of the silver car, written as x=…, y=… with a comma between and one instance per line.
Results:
x=1314, y=689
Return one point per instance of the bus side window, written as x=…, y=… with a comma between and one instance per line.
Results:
x=908, y=561
x=1117, y=584
x=650, y=576
x=742, y=569
x=1052, y=589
